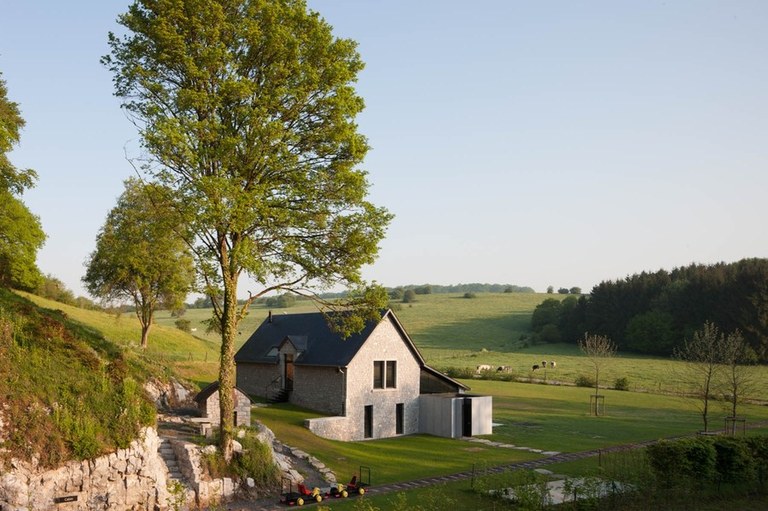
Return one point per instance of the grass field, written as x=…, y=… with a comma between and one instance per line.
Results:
x=190, y=357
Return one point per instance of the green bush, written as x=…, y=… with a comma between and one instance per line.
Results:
x=184, y=325
x=458, y=372
x=667, y=460
x=470, y=294
x=255, y=461
x=700, y=462
x=621, y=383
x=734, y=460
x=583, y=380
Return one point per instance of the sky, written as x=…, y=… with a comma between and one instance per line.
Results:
x=533, y=143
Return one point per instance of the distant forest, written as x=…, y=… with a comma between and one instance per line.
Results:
x=654, y=312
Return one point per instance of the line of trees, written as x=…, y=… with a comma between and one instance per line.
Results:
x=427, y=289
x=654, y=312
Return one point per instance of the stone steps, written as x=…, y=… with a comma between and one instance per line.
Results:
x=168, y=456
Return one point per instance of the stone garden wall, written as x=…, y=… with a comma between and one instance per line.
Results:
x=128, y=479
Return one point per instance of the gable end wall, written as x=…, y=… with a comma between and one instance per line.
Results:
x=385, y=343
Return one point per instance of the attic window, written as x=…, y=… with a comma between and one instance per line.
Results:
x=272, y=352
x=384, y=374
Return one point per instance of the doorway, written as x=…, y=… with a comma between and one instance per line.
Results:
x=288, y=371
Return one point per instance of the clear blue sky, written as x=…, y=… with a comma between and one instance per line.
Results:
x=530, y=143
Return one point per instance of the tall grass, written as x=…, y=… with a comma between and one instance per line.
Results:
x=66, y=391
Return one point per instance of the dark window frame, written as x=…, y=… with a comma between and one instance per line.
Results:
x=368, y=421
x=379, y=374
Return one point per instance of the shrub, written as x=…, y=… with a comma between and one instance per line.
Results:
x=621, y=383
x=667, y=460
x=458, y=372
x=183, y=324
x=734, y=460
x=409, y=296
x=470, y=294
x=585, y=381
x=255, y=461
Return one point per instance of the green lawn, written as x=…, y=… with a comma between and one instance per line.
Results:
x=391, y=460
x=544, y=417
x=557, y=418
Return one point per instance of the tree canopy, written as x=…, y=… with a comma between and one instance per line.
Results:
x=12, y=179
x=21, y=234
x=140, y=255
x=247, y=112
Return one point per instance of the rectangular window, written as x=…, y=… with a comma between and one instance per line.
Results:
x=378, y=375
x=399, y=418
x=384, y=374
x=391, y=374
x=368, y=433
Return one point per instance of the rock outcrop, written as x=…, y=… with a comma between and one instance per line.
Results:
x=132, y=478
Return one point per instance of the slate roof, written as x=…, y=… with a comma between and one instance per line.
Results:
x=310, y=334
x=211, y=389
x=319, y=345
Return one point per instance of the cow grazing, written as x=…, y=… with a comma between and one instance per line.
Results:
x=484, y=367
x=552, y=364
x=504, y=369
x=535, y=366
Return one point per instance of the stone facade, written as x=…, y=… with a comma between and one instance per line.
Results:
x=332, y=428
x=384, y=344
x=210, y=408
x=255, y=379
x=319, y=388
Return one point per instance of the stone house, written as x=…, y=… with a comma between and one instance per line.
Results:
x=208, y=405
x=370, y=385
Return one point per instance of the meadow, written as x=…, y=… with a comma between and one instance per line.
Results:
x=450, y=331
x=538, y=409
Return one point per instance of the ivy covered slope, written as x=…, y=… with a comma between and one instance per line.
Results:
x=65, y=391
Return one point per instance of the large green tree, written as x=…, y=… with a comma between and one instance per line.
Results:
x=247, y=111
x=141, y=255
x=21, y=234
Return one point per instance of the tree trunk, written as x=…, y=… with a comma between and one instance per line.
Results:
x=144, y=311
x=227, y=361
x=144, y=335
x=705, y=411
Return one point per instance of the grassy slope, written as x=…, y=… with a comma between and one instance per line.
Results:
x=190, y=357
x=65, y=390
